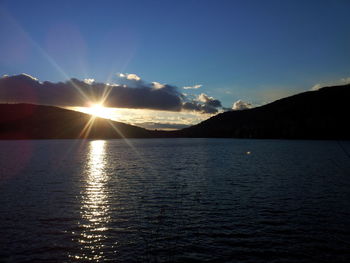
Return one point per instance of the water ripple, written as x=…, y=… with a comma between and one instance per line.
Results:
x=180, y=200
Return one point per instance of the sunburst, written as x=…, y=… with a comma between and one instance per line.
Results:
x=98, y=110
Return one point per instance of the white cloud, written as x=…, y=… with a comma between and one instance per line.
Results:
x=27, y=75
x=204, y=97
x=342, y=81
x=128, y=76
x=241, y=105
x=157, y=85
x=203, y=103
x=133, y=76
x=193, y=87
x=316, y=86
x=89, y=81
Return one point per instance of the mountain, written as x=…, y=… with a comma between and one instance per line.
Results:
x=28, y=121
x=321, y=114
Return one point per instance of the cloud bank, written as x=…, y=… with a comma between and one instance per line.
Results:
x=128, y=91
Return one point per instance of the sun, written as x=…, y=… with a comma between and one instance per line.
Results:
x=99, y=110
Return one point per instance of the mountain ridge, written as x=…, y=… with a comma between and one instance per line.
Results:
x=321, y=114
x=30, y=121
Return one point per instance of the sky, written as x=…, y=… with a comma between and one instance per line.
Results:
x=243, y=53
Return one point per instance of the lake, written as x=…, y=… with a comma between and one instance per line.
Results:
x=174, y=200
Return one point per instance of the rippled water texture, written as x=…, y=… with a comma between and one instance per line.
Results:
x=174, y=200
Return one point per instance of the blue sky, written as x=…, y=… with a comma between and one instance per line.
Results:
x=251, y=50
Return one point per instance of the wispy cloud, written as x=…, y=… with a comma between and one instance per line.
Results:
x=193, y=87
x=341, y=81
x=316, y=86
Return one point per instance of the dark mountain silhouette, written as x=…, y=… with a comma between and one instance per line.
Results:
x=28, y=121
x=321, y=114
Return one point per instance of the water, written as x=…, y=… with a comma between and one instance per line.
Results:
x=174, y=200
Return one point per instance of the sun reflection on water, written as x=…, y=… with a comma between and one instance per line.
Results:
x=94, y=206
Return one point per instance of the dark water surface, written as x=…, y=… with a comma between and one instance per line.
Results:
x=174, y=200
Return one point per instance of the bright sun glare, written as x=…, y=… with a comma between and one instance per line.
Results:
x=98, y=110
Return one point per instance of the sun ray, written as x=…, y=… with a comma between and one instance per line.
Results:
x=97, y=110
x=45, y=54
x=86, y=130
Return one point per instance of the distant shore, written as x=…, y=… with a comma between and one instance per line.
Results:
x=321, y=114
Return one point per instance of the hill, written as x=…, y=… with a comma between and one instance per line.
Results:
x=321, y=114
x=28, y=121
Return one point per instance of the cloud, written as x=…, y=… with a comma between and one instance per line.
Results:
x=89, y=81
x=210, y=101
x=203, y=103
x=130, y=80
x=157, y=85
x=133, y=76
x=128, y=76
x=342, y=81
x=193, y=87
x=128, y=91
x=316, y=86
x=27, y=75
x=241, y=105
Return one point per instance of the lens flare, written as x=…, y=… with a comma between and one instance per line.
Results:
x=98, y=110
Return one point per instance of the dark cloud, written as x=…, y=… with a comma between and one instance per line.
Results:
x=209, y=101
x=199, y=107
x=203, y=104
x=130, y=92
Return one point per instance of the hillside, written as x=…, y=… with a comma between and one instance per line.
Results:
x=321, y=114
x=28, y=121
